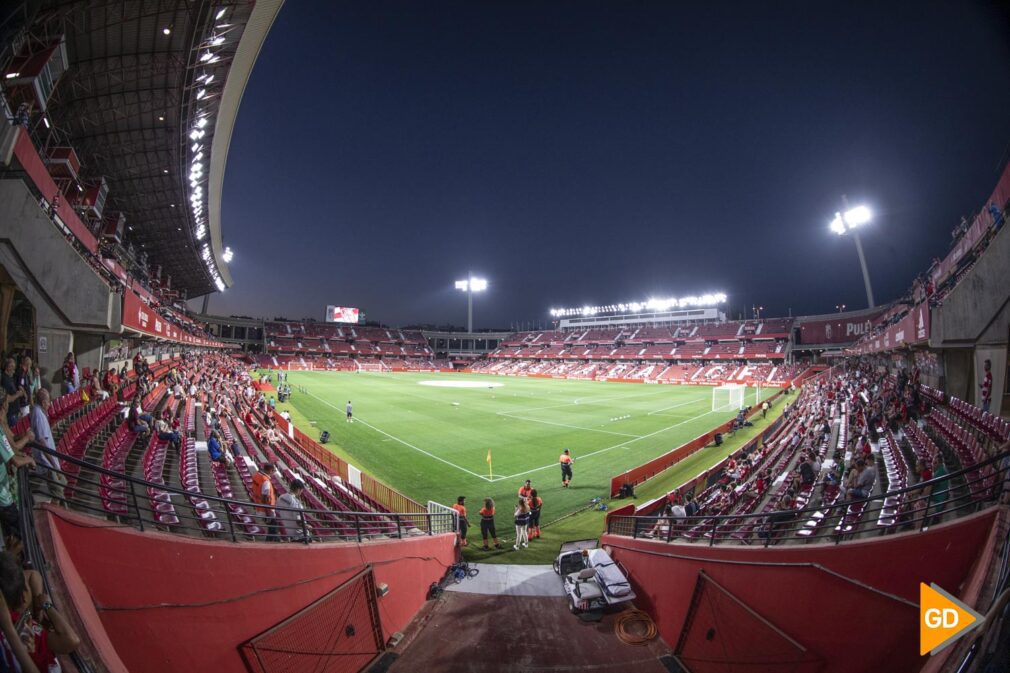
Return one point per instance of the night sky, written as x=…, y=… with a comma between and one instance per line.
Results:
x=582, y=152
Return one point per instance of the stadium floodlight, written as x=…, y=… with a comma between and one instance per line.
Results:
x=848, y=221
x=652, y=304
x=471, y=285
x=227, y=255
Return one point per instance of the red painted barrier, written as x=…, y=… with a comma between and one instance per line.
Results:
x=171, y=603
x=815, y=594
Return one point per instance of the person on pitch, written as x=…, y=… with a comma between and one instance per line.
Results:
x=487, y=527
x=464, y=523
x=525, y=490
x=566, y=461
x=350, y=419
x=535, y=504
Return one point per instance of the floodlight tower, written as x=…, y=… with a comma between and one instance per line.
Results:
x=471, y=285
x=848, y=221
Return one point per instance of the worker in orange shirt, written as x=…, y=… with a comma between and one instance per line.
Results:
x=487, y=528
x=535, y=504
x=263, y=493
x=566, y=461
x=464, y=523
x=525, y=490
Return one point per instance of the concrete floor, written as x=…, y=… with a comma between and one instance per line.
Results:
x=484, y=633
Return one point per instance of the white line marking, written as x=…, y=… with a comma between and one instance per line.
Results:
x=609, y=448
x=405, y=443
x=658, y=411
x=564, y=425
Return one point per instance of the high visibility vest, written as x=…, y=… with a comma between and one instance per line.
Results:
x=258, y=480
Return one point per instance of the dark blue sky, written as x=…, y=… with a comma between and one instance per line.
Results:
x=579, y=152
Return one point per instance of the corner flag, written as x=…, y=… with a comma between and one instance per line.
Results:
x=489, y=473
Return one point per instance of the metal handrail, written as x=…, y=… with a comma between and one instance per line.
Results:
x=239, y=519
x=966, y=490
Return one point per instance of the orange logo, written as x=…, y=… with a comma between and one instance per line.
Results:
x=942, y=619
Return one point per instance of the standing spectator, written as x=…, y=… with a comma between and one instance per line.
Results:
x=36, y=379
x=764, y=409
x=71, y=374
x=536, y=504
x=23, y=381
x=487, y=527
x=986, y=386
x=291, y=524
x=264, y=495
x=48, y=632
x=11, y=393
x=11, y=459
x=522, y=520
x=463, y=522
x=46, y=464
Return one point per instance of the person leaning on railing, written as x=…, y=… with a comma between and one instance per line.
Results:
x=12, y=459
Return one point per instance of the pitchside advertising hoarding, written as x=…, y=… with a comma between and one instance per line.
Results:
x=342, y=314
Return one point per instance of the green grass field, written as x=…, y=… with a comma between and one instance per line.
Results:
x=432, y=442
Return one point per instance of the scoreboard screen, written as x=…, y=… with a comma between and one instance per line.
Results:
x=341, y=314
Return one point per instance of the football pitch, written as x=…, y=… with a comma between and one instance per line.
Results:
x=428, y=435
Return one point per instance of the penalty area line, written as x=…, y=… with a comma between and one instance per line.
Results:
x=610, y=448
x=406, y=443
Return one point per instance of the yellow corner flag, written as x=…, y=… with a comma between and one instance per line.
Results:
x=942, y=619
x=489, y=463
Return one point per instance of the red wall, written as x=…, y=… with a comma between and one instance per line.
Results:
x=171, y=603
x=852, y=606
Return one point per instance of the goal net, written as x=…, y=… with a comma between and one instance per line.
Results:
x=728, y=397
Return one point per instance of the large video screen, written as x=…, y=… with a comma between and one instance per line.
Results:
x=341, y=314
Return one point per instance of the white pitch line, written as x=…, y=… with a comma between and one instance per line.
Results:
x=405, y=443
x=609, y=448
x=565, y=425
x=652, y=413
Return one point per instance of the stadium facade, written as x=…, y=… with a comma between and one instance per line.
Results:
x=114, y=138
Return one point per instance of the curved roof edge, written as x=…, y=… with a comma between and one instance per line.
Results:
x=253, y=37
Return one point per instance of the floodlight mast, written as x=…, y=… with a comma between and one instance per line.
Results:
x=470, y=285
x=848, y=221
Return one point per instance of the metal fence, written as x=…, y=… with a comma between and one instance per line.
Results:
x=834, y=520
x=143, y=504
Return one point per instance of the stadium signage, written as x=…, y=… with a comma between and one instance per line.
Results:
x=140, y=318
x=840, y=330
x=912, y=329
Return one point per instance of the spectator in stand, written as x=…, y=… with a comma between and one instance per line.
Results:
x=11, y=460
x=264, y=495
x=864, y=481
x=43, y=629
x=96, y=389
x=14, y=654
x=165, y=433
x=71, y=374
x=46, y=464
x=214, y=449
x=23, y=380
x=138, y=420
x=11, y=392
x=291, y=521
x=36, y=379
x=807, y=475
x=986, y=386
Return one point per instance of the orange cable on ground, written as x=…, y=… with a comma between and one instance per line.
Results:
x=635, y=636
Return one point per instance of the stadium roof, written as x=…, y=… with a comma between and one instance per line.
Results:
x=139, y=78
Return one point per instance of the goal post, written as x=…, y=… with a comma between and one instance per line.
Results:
x=729, y=397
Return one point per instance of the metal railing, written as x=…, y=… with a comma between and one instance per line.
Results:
x=911, y=508
x=143, y=504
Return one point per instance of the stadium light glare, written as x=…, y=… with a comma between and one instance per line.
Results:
x=848, y=220
x=220, y=14
x=652, y=304
x=471, y=285
x=12, y=75
x=227, y=255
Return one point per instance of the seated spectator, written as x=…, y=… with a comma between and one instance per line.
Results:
x=43, y=629
x=866, y=476
x=214, y=448
x=165, y=432
x=138, y=420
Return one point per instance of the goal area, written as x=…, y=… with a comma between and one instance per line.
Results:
x=729, y=397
